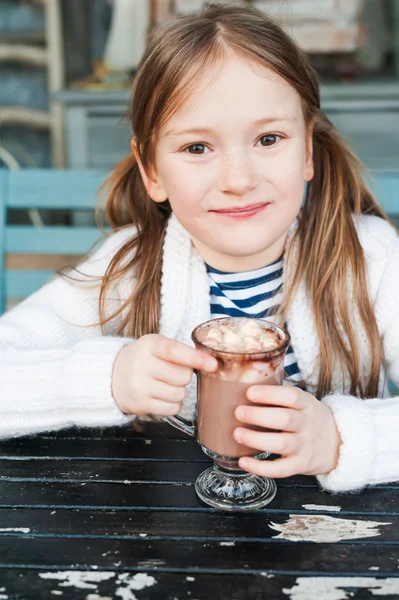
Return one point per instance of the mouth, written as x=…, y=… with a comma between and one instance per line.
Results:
x=242, y=212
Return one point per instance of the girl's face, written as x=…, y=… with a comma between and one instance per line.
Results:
x=233, y=162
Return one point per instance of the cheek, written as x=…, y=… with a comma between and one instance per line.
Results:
x=186, y=189
x=288, y=177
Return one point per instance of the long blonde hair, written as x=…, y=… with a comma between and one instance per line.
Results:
x=329, y=248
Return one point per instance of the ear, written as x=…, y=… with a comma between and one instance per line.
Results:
x=151, y=182
x=309, y=167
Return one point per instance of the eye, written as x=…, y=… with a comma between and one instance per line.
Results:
x=196, y=149
x=270, y=139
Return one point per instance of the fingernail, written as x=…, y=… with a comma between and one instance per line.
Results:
x=237, y=435
x=252, y=394
x=210, y=364
x=242, y=463
x=240, y=412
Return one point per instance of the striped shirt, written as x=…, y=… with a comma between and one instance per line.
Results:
x=255, y=293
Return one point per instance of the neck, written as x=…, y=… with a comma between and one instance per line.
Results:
x=240, y=264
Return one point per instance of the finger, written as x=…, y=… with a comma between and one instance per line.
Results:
x=275, y=443
x=162, y=409
x=182, y=354
x=173, y=374
x=278, y=395
x=281, y=419
x=276, y=469
x=153, y=406
x=165, y=392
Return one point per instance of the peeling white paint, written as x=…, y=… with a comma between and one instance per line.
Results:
x=267, y=575
x=374, y=568
x=323, y=528
x=127, y=481
x=333, y=588
x=324, y=507
x=143, y=535
x=227, y=543
x=124, y=585
x=3, y=597
x=152, y=562
x=190, y=578
x=128, y=583
x=57, y=592
x=15, y=529
x=79, y=579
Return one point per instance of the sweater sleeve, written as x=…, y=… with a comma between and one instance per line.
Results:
x=369, y=429
x=55, y=363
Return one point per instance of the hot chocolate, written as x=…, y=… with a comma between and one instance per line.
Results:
x=249, y=352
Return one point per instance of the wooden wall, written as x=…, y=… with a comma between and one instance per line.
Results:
x=335, y=28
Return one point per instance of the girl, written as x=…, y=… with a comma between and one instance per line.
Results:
x=208, y=221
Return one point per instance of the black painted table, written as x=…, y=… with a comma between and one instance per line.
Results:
x=112, y=514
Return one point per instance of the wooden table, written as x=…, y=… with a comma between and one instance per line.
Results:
x=112, y=514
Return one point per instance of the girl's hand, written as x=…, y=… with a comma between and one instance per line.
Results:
x=306, y=436
x=151, y=373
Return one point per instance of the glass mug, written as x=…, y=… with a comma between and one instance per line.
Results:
x=225, y=485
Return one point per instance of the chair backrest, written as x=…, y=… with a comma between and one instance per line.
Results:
x=77, y=190
x=385, y=185
x=44, y=189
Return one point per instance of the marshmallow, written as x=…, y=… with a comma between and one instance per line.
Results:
x=250, y=376
x=251, y=344
x=242, y=336
x=268, y=341
x=215, y=334
x=250, y=328
x=232, y=339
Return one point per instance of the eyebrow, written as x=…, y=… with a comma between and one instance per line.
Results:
x=206, y=130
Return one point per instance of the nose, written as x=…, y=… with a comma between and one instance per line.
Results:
x=237, y=175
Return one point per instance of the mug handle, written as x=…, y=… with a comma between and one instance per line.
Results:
x=182, y=424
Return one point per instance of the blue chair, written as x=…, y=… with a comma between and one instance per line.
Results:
x=385, y=186
x=43, y=189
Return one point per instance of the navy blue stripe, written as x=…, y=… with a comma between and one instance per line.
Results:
x=291, y=370
x=247, y=302
x=230, y=312
x=243, y=285
x=237, y=312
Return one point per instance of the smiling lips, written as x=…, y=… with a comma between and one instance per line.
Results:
x=242, y=212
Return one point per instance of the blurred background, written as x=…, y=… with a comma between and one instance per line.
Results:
x=66, y=68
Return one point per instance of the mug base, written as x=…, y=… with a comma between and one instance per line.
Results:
x=238, y=491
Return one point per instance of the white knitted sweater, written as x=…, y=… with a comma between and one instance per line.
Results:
x=56, y=367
